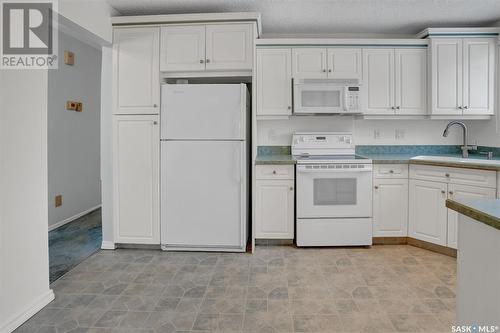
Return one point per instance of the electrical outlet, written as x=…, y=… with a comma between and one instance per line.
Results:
x=69, y=58
x=58, y=200
x=74, y=106
x=376, y=134
x=399, y=134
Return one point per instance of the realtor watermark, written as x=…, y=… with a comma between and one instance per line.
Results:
x=29, y=34
x=475, y=329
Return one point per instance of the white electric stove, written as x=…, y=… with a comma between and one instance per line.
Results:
x=334, y=191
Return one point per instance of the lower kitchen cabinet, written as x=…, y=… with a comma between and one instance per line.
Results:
x=427, y=211
x=136, y=144
x=274, y=202
x=390, y=207
x=463, y=192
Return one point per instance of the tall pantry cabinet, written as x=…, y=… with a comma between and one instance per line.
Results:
x=136, y=141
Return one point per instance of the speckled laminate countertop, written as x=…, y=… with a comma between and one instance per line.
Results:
x=486, y=211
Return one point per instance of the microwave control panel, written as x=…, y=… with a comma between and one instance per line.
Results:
x=352, y=96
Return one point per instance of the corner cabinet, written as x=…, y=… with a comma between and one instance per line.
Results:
x=274, y=82
x=136, y=76
x=395, y=81
x=463, y=71
x=274, y=202
x=211, y=47
x=136, y=145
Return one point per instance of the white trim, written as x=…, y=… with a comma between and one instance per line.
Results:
x=72, y=218
x=341, y=41
x=468, y=31
x=107, y=245
x=17, y=320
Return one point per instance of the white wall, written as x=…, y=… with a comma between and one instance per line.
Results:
x=93, y=15
x=24, y=280
x=423, y=132
x=73, y=137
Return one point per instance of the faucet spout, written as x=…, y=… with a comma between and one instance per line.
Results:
x=465, y=147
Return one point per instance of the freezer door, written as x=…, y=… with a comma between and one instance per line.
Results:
x=203, y=201
x=203, y=111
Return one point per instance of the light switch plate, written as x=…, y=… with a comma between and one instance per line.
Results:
x=69, y=58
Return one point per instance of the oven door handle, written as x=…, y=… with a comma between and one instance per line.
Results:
x=339, y=170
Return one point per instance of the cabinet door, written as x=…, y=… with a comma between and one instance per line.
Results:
x=446, y=68
x=274, y=209
x=478, y=75
x=457, y=192
x=411, y=81
x=344, y=63
x=136, y=143
x=136, y=76
x=182, y=48
x=274, y=82
x=229, y=47
x=309, y=63
x=390, y=208
x=378, y=77
x=428, y=214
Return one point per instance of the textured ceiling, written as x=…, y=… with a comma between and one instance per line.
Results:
x=333, y=16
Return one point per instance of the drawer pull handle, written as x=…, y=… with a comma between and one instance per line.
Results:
x=443, y=191
x=376, y=187
x=447, y=174
x=391, y=171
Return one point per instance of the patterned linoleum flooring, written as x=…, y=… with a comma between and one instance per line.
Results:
x=278, y=289
x=73, y=242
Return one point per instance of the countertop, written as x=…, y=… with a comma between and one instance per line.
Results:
x=486, y=211
x=274, y=159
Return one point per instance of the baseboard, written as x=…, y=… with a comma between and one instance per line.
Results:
x=390, y=240
x=17, y=320
x=448, y=251
x=107, y=245
x=72, y=218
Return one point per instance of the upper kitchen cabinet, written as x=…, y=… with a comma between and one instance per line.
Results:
x=463, y=72
x=182, y=48
x=136, y=77
x=335, y=63
x=395, y=81
x=274, y=82
x=211, y=47
x=229, y=47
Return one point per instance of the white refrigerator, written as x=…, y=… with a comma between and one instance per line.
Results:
x=204, y=181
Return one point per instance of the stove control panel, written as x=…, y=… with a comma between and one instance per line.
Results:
x=315, y=143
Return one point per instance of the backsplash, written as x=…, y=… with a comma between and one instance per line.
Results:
x=408, y=149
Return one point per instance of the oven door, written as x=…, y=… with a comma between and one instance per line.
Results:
x=318, y=98
x=334, y=190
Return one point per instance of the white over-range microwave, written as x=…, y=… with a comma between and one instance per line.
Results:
x=326, y=96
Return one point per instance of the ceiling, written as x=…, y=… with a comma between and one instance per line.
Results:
x=323, y=17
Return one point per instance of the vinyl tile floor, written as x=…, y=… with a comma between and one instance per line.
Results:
x=387, y=288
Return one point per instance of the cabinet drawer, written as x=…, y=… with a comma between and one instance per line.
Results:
x=390, y=170
x=274, y=172
x=482, y=178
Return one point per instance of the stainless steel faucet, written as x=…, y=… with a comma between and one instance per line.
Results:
x=465, y=148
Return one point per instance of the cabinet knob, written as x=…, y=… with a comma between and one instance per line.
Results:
x=289, y=108
x=465, y=107
x=207, y=61
x=201, y=61
x=460, y=107
x=329, y=71
x=397, y=107
x=324, y=70
x=376, y=187
x=451, y=192
x=391, y=171
x=274, y=172
x=155, y=106
x=291, y=188
x=155, y=122
x=443, y=191
x=447, y=174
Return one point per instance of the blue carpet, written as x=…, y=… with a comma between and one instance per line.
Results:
x=71, y=243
